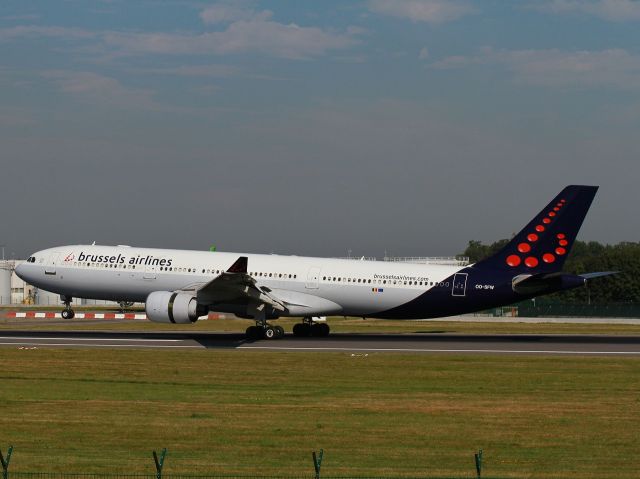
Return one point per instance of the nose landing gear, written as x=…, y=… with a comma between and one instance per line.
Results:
x=67, y=312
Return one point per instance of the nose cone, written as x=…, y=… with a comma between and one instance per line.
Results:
x=20, y=271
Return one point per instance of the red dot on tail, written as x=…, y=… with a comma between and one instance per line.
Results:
x=546, y=221
x=548, y=258
x=539, y=228
x=560, y=251
x=524, y=247
x=559, y=205
x=556, y=209
x=563, y=242
x=531, y=262
x=552, y=214
x=560, y=236
x=513, y=260
x=532, y=237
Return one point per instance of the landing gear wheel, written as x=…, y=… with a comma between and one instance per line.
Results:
x=269, y=333
x=67, y=312
x=317, y=330
x=302, y=330
x=322, y=330
x=279, y=331
x=254, y=332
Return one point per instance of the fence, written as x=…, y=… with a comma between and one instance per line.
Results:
x=62, y=475
x=159, y=460
x=536, y=309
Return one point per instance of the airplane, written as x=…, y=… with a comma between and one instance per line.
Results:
x=180, y=286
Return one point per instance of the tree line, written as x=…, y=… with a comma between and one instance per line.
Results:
x=587, y=257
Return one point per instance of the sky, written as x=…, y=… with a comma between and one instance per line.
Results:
x=405, y=127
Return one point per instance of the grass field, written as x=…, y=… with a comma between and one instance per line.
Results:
x=263, y=413
x=338, y=324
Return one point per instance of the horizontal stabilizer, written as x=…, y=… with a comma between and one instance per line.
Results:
x=545, y=282
x=599, y=274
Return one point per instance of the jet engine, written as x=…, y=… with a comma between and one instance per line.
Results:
x=171, y=307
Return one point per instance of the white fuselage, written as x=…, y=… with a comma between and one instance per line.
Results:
x=322, y=285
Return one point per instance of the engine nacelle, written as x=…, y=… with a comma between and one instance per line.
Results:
x=168, y=307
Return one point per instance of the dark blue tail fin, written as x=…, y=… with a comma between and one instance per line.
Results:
x=543, y=245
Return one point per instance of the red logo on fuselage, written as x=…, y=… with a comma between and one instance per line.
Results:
x=69, y=257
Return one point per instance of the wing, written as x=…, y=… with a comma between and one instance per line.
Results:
x=236, y=286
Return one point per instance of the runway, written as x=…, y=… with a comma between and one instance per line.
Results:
x=346, y=343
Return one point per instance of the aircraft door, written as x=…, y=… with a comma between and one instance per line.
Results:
x=313, y=278
x=150, y=272
x=50, y=267
x=459, y=284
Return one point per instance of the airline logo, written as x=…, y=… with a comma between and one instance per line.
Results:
x=122, y=259
x=69, y=257
x=526, y=247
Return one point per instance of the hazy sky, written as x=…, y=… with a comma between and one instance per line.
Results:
x=314, y=128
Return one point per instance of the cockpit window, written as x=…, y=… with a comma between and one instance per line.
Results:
x=32, y=259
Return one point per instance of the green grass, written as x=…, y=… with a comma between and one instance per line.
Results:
x=338, y=324
x=263, y=413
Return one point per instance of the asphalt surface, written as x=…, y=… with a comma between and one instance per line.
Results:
x=348, y=343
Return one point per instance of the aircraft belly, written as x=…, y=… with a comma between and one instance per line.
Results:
x=107, y=285
x=365, y=300
x=303, y=304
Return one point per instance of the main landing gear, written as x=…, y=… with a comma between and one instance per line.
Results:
x=265, y=331
x=67, y=312
x=309, y=328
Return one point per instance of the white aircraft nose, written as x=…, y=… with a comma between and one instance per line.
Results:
x=20, y=271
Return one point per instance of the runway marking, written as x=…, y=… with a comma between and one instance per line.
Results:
x=89, y=339
x=416, y=350
x=93, y=345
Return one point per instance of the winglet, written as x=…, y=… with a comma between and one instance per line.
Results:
x=240, y=266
